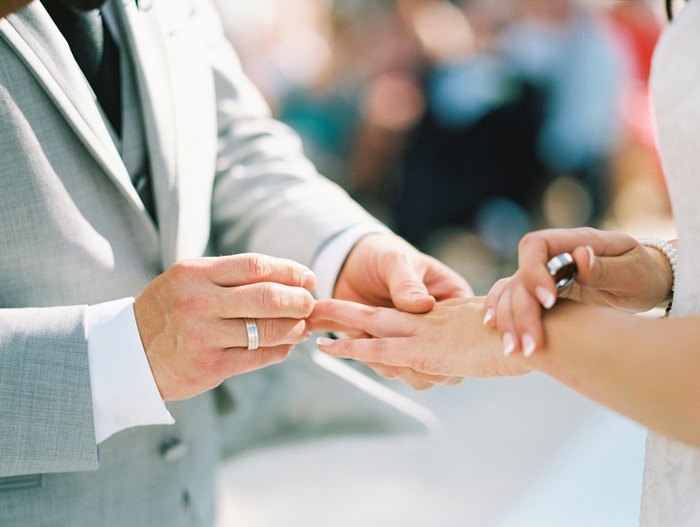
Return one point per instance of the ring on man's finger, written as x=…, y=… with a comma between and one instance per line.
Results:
x=252, y=330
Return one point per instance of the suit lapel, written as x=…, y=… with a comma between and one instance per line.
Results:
x=143, y=37
x=36, y=39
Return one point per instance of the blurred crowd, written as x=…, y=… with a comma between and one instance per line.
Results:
x=464, y=124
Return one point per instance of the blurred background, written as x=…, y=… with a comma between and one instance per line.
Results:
x=463, y=125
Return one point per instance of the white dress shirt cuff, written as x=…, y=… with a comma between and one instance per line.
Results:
x=124, y=392
x=330, y=259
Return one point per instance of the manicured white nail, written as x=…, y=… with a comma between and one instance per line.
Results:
x=546, y=298
x=528, y=345
x=508, y=344
x=488, y=316
x=324, y=341
x=591, y=257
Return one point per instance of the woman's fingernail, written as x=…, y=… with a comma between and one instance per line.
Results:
x=546, y=298
x=324, y=341
x=508, y=344
x=488, y=316
x=591, y=257
x=528, y=345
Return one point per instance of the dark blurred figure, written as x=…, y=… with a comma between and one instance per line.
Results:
x=560, y=47
x=477, y=140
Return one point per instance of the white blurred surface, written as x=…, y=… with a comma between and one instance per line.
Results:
x=513, y=452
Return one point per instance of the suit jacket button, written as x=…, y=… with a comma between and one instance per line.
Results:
x=173, y=449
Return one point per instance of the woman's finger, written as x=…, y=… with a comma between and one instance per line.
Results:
x=537, y=248
x=382, y=370
x=506, y=325
x=527, y=319
x=413, y=378
x=376, y=321
x=387, y=351
x=492, y=299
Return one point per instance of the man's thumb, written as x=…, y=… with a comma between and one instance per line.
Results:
x=410, y=294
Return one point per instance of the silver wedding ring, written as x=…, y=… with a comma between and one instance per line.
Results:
x=563, y=270
x=252, y=329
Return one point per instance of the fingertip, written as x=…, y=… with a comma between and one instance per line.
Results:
x=325, y=342
x=308, y=280
x=545, y=297
x=585, y=259
x=508, y=344
x=416, y=302
x=591, y=257
x=529, y=344
x=488, y=317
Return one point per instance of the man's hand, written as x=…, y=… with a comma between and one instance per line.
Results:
x=190, y=319
x=384, y=270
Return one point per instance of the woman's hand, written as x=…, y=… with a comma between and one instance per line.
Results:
x=385, y=270
x=449, y=341
x=613, y=270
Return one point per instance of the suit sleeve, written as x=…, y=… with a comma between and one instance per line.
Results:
x=268, y=197
x=46, y=418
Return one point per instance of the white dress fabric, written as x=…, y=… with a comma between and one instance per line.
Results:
x=671, y=487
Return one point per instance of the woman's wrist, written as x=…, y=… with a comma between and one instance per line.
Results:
x=665, y=255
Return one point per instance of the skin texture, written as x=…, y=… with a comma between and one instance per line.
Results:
x=623, y=274
x=189, y=325
x=647, y=370
x=384, y=270
x=450, y=340
x=190, y=319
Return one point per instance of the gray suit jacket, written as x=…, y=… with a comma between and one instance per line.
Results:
x=73, y=232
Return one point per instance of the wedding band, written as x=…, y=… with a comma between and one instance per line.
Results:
x=563, y=269
x=252, y=329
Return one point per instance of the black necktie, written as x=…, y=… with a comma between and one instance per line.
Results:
x=98, y=56
x=94, y=51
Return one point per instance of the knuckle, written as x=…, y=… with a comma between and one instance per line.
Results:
x=370, y=311
x=380, y=348
x=588, y=232
x=271, y=331
x=528, y=241
x=601, y=270
x=383, y=372
x=258, y=266
x=307, y=303
x=272, y=298
x=294, y=273
x=186, y=271
x=205, y=364
x=421, y=363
